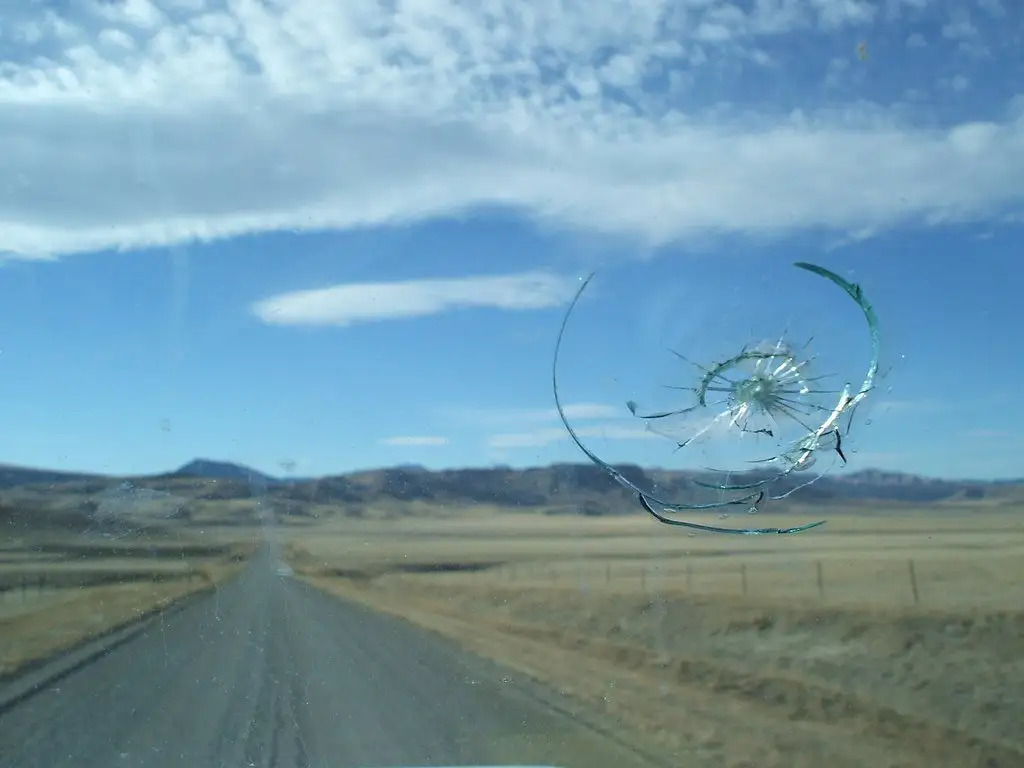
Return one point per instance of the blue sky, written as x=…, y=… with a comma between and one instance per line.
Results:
x=316, y=236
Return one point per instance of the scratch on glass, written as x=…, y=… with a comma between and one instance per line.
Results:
x=126, y=509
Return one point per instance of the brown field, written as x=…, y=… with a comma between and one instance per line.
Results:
x=895, y=639
x=57, y=590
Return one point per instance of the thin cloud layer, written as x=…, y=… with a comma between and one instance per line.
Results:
x=139, y=123
x=605, y=421
x=342, y=305
x=497, y=418
x=541, y=437
x=415, y=441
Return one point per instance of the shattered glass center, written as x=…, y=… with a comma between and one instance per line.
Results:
x=774, y=388
x=757, y=390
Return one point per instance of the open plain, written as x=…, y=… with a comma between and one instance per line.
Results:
x=892, y=636
x=889, y=637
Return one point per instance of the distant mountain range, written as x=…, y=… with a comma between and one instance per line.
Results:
x=559, y=488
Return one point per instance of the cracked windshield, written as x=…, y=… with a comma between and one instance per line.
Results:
x=511, y=383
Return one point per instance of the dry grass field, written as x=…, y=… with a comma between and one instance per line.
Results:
x=58, y=589
x=883, y=639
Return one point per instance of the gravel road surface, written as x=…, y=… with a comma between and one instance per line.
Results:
x=269, y=672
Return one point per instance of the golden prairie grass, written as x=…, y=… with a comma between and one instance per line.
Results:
x=963, y=559
x=50, y=606
x=769, y=651
x=76, y=615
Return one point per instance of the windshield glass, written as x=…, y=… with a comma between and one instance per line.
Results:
x=394, y=383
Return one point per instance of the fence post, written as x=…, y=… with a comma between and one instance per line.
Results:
x=743, y=578
x=913, y=581
x=820, y=572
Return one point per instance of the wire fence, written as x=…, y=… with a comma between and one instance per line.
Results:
x=21, y=588
x=890, y=581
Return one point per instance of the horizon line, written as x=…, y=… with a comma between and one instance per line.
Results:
x=410, y=465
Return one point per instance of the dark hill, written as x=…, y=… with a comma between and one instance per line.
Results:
x=222, y=470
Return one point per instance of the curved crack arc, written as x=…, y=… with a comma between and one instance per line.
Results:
x=648, y=500
x=717, y=529
x=856, y=293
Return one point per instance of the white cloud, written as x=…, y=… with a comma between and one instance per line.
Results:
x=141, y=123
x=582, y=411
x=993, y=7
x=834, y=14
x=368, y=302
x=507, y=419
x=541, y=437
x=499, y=418
x=613, y=423
x=959, y=83
x=414, y=440
x=139, y=13
x=960, y=28
x=987, y=434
